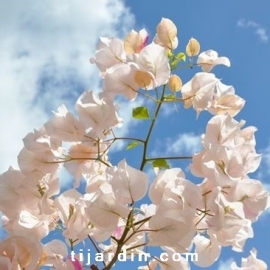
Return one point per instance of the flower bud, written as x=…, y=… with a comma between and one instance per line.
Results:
x=175, y=83
x=193, y=47
x=167, y=33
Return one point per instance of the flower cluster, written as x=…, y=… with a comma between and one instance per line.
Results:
x=181, y=216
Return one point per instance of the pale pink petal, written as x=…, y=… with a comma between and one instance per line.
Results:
x=208, y=59
x=157, y=187
x=253, y=196
x=45, y=161
x=167, y=231
x=208, y=250
x=23, y=252
x=109, y=53
x=66, y=203
x=153, y=58
x=5, y=263
x=120, y=79
x=54, y=251
x=97, y=114
x=129, y=184
x=199, y=91
x=135, y=42
x=65, y=126
x=39, y=141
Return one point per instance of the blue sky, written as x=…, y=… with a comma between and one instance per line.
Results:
x=45, y=50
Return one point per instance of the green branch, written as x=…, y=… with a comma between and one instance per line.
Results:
x=159, y=103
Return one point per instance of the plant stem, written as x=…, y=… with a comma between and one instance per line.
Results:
x=159, y=103
x=126, y=138
x=172, y=158
x=120, y=242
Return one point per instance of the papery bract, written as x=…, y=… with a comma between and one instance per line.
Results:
x=223, y=130
x=129, y=184
x=153, y=59
x=65, y=126
x=54, y=251
x=109, y=53
x=22, y=252
x=231, y=104
x=208, y=59
x=167, y=33
x=82, y=158
x=11, y=182
x=253, y=196
x=199, y=91
x=168, y=232
x=66, y=204
x=170, y=46
x=135, y=41
x=96, y=177
x=72, y=214
x=97, y=114
x=229, y=154
x=236, y=234
x=5, y=263
x=225, y=101
x=175, y=197
x=40, y=152
x=45, y=162
x=208, y=250
x=120, y=79
x=30, y=224
x=39, y=141
x=103, y=209
x=160, y=182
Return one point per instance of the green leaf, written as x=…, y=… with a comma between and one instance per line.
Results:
x=133, y=144
x=181, y=56
x=177, y=59
x=160, y=163
x=140, y=113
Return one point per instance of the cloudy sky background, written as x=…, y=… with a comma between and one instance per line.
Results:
x=45, y=48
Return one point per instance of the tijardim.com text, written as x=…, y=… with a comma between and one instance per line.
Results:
x=85, y=257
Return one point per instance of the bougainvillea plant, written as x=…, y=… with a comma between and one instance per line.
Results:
x=110, y=212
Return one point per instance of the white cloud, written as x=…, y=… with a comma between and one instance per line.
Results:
x=261, y=32
x=225, y=265
x=169, y=108
x=258, y=29
x=183, y=144
x=44, y=53
x=264, y=170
